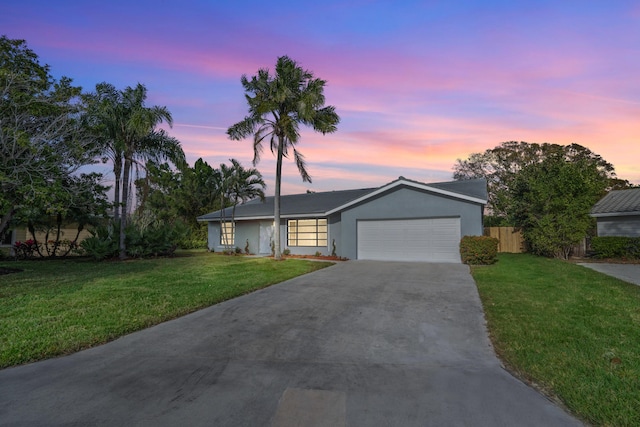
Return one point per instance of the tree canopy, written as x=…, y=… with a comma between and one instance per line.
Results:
x=42, y=140
x=127, y=130
x=500, y=166
x=547, y=190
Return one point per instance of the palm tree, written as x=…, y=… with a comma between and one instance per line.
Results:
x=130, y=138
x=104, y=108
x=237, y=185
x=277, y=106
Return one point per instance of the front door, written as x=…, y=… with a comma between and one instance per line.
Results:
x=266, y=237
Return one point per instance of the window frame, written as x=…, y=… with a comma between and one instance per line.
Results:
x=232, y=236
x=320, y=239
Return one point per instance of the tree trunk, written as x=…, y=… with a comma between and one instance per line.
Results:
x=277, y=255
x=123, y=212
x=117, y=170
x=56, y=244
x=32, y=230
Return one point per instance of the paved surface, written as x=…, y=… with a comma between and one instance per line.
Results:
x=627, y=272
x=357, y=344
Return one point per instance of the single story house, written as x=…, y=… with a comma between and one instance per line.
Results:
x=618, y=213
x=21, y=234
x=402, y=220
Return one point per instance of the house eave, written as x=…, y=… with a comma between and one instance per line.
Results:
x=269, y=217
x=614, y=214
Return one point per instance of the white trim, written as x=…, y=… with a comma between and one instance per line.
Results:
x=410, y=184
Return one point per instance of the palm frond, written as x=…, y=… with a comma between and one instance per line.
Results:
x=302, y=167
x=243, y=128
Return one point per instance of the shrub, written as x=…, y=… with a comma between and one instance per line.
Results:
x=142, y=240
x=286, y=252
x=479, y=250
x=189, y=243
x=103, y=242
x=26, y=249
x=616, y=247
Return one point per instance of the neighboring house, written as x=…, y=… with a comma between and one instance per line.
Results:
x=22, y=233
x=403, y=220
x=618, y=213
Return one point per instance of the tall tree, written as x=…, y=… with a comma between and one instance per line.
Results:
x=131, y=138
x=551, y=202
x=502, y=164
x=238, y=185
x=278, y=105
x=41, y=140
x=105, y=108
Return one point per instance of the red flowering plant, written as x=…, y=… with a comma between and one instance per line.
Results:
x=25, y=249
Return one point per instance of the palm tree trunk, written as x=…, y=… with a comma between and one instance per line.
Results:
x=123, y=213
x=117, y=171
x=276, y=203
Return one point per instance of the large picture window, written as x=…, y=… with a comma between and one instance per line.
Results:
x=227, y=233
x=307, y=232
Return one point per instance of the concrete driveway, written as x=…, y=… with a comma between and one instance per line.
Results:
x=358, y=344
x=627, y=272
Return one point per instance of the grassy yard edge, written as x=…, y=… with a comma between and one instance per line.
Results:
x=557, y=346
x=53, y=309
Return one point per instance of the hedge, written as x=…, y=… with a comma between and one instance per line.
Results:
x=616, y=247
x=479, y=250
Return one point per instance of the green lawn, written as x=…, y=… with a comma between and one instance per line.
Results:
x=572, y=331
x=58, y=307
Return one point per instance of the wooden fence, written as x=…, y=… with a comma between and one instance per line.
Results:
x=509, y=240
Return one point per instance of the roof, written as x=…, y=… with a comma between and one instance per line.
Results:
x=327, y=203
x=618, y=203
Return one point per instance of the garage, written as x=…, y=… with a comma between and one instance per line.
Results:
x=427, y=239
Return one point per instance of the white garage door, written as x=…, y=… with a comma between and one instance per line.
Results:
x=432, y=240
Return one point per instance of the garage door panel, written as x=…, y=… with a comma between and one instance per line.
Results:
x=433, y=240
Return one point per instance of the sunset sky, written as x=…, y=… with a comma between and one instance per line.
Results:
x=417, y=84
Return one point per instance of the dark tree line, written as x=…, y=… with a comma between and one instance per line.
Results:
x=50, y=129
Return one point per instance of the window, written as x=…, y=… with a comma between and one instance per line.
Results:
x=6, y=238
x=227, y=233
x=307, y=232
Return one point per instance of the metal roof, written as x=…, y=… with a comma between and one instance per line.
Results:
x=618, y=203
x=326, y=203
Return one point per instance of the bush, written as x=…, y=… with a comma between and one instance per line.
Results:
x=142, y=240
x=156, y=239
x=188, y=243
x=103, y=242
x=479, y=250
x=26, y=249
x=616, y=247
x=286, y=252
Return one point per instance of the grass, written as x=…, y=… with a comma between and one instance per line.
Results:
x=573, y=332
x=59, y=307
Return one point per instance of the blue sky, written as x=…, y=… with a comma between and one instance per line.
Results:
x=416, y=84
